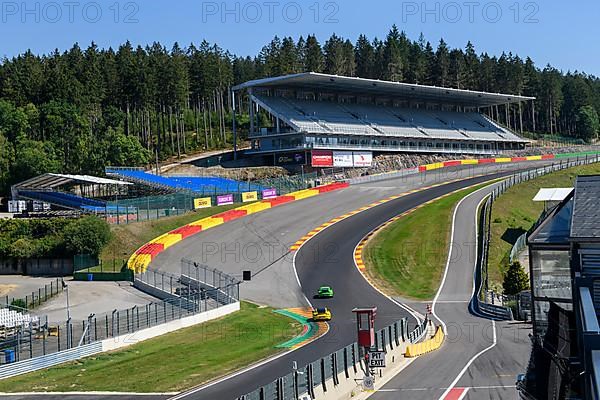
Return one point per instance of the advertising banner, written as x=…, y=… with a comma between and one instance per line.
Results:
x=204, y=202
x=322, y=158
x=269, y=194
x=249, y=196
x=290, y=159
x=342, y=159
x=362, y=159
x=224, y=200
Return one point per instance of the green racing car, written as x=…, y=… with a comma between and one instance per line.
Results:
x=325, y=292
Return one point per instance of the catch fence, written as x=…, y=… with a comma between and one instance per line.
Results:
x=181, y=297
x=325, y=372
x=125, y=211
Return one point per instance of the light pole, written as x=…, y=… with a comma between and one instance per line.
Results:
x=66, y=288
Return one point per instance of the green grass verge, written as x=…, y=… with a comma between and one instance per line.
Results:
x=128, y=238
x=514, y=213
x=407, y=258
x=173, y=362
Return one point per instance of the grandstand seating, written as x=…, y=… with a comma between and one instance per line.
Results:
x=11, y=320
x=67, y=200
x=367, y=119
x=205, y=185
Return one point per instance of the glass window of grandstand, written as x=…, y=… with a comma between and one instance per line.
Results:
x=551, y=274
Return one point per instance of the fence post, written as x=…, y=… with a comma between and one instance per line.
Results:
x=334, y=368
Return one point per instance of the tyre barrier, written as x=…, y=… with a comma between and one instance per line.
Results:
x=427, y=346
x=142, y=258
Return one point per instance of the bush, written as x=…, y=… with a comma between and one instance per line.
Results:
x=19, y=303
x=87, y=235
x=515, y=279
x=49, y=238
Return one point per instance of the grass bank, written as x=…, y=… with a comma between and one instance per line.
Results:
x=407, y=258
x=128, y=238
x=514, y=213
x=173, y=362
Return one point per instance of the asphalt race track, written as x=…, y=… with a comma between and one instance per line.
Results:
x=328, y=259
x=503, y=346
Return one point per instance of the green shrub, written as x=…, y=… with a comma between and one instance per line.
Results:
x=19, y=303
x=87, y=235
x=515, y=279
x=58, y=237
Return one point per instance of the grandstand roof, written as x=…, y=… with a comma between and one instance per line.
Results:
x=324, y=82
x=49, y=181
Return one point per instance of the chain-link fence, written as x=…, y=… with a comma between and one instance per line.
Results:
x=125, y=211
x=201, y=290
x=36, y=298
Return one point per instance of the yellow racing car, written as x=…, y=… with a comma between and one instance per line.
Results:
x=321, y=314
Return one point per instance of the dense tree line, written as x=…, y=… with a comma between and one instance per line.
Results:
x=56, y=237
x=82, y=109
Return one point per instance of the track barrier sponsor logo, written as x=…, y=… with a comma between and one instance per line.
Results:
x=248, y=197
x=204, y=202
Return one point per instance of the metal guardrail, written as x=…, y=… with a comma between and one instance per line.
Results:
x=518, y=247
x=325, y=371
x=478, y=303
x=49, y=360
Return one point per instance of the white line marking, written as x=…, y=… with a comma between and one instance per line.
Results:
x=495, y=339
x=464, y=394
x=466, y=367
x=428, y=389
x=437, y=295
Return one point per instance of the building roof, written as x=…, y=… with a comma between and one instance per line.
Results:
x=554, y=229
x=324, y=82
x=585, y=223
x=552, y=194
x=50, y=181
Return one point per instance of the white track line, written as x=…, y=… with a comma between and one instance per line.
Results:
x=439, y=292
x=495, y=339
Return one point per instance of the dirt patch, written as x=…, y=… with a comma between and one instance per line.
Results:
x=6, y=289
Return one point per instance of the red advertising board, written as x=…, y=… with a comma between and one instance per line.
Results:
x=322, y=158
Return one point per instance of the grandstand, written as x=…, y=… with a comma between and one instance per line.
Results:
x=70, y=192
x=198, y=185
x=317, y=111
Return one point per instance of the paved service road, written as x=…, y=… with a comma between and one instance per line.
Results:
x=494, y=352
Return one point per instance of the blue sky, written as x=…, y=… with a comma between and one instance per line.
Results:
x=556, y=32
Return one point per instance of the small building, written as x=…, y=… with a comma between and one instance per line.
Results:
x=564, y=257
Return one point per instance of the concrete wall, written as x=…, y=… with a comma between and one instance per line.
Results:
x=148, y=333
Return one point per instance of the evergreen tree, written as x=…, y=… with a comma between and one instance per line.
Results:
x=364, y=54
x=313, y=55
x=515, y=279
x=335, y=55
x=442, y=64
x=392, y=54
